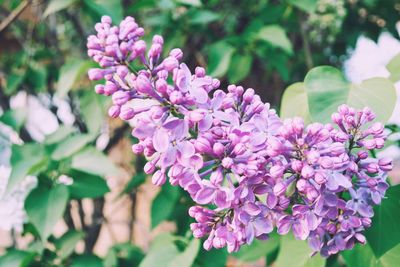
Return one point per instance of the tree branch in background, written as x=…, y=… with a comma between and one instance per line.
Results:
x=14, y=14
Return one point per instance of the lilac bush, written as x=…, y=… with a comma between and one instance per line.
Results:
x=248, y=171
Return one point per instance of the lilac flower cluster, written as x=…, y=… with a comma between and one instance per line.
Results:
x=248, y=171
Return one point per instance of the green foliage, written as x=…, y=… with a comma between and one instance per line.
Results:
x=326, y=88
x=258, y=249
x=385, y=233
x=87, y=186
x=257, y=43
x=24, y=159
x=296, y=253
x=92, y=161
x=65, y=245
x=45, y=206
x=164, y=204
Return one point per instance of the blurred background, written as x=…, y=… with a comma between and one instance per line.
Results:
x=113, y=212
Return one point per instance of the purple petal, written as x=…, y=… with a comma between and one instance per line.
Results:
x=300, y=230
x=205, y=195
x=169, y=157
x=206, y=123
x=186, y=149
x=251, y=209
x=271, y=201
x=262, y=226
x=200, y=94
x=161, y=140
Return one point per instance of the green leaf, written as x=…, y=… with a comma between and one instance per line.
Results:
x=308, y=6
x=127, y=254
x=212, y=258
x=135, y=182
x=62, y=132
x=112, y=8
x=195, y=3
x=163, y=250
x=377, y=93
x=86, y=260
x=327, y=89
x=70, y=72
x=87, y=186
x=57, y=5
x=92, y=111
x=164, y=204
x=294, y=102
x=394, y=68
x=239, y=67
x=219, y=58
x=257, y=249
x=92, y=161
x=13, y=81
x=66, y=244
x=45, y=207
x=186, y=258
x=203, y=16
x=70, y=145
x=296, y=253
x=359, y=256
x=37, y=76
x=14, y=258
x=362, y=256
x=276, y=36
x=384, y=233
x=15, y=118
x=24, y=159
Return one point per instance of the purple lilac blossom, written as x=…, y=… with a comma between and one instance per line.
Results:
x=233, y=153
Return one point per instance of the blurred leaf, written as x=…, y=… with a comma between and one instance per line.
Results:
x=57, y=5
x=92, y=161
x=135, y=182
x=384, y=233
x=219, y=58
x=294, y=102
x=186, y=258
x=123, y=255
x=164, y=204
x=257, y=249
x=45, y=207
x=276, y=36
x=87, y=186
x=362, y=256
x=163, y=250
x=202, y=16
x=37, y=76
x=308, y=6
x=379, y=94
x=70, y=145
x=195, y=3
x=212, y=258
x=92, y=111
x=327, y=89
x=61, y=133
x=14, y=258
x=86, y=260
x=394, y=68
x=296, y=253
x=359, y=256
x=69, y=74
x=13, y=81
x=15, y=118
x=23, y=160
x=66, y=244
x=239, y=67
x=112, y=8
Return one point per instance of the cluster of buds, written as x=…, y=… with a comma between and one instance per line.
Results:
x=232, y=152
